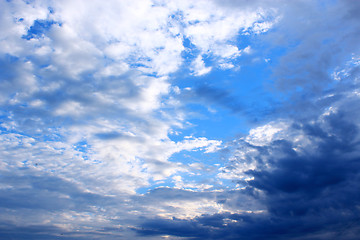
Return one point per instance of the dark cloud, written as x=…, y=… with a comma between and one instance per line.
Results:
x=44, y=192
x=318, y=189
x=34, y=232
x=111, y=135
x=319, y=37
x=31, y=232
x=308, y=195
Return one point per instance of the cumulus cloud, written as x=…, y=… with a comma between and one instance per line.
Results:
x=59, y=85
x=199, y=67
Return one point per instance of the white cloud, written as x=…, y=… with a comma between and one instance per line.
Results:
x=227, y=51
x=226, y=66
x=88, y=103
x=263, y=135
x=199, y=68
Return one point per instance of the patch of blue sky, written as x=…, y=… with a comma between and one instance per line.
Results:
x=25, y=163
x=188, y=55
x=220, y=125
x=251, y=86
x=243, y=40
x=141, y=65
x=51, y=10
x=83, y=148
x=2, y=128
x=39, y=28
x=245, y=91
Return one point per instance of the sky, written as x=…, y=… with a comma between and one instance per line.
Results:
x=156, y=119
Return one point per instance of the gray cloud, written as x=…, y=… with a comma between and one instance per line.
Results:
x=323, y=37
x=308, y=188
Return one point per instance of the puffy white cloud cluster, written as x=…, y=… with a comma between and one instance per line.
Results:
x=94, y=76
x=87, y=112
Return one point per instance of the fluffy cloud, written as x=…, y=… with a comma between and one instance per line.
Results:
x=81, y=78
x=79, y=73
x=199, y=67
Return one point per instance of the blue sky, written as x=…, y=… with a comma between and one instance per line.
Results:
x=157, y=119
